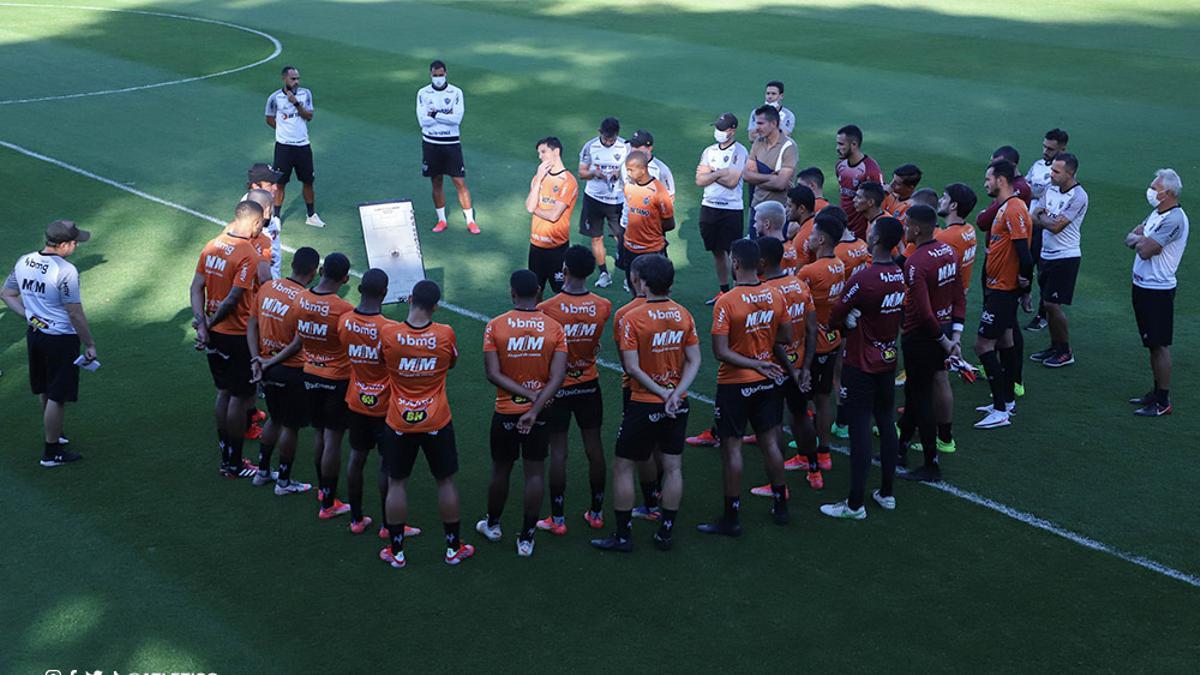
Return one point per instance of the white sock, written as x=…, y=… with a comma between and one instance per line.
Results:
x=441, y=214
x=469, y=214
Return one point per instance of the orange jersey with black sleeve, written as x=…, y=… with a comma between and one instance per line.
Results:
x=618, y=316
x=751, y=316
x=582, y=317
x=961, y=238
x=525, y=340
x=276, y=309
x=646, y=206
x=826, y=279
x=317, y=324
x=228, y=262
x=1003, y=264
x=854, y=255
x=417, y=361
x=361, y=336
x=555, y=187
x=659, y=331
x=799, y=302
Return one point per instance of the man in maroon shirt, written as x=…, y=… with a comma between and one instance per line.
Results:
x=853, y=169
x=934, y=311
x=869, y=313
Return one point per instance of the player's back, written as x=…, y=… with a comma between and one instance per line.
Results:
x=750, y=315
x=417, y=361
x=660, y=331
x=961, y=238
x=582, y=317
x=826, y=278
x=228, y=262
x=525, y=341
x=361, y=335
x=854, y=254
x=317, y=324
x=276, y=310
x=797, y=298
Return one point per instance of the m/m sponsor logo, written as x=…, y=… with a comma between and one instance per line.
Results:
x=760, y=317
x=574, y=330
x=312, y=328
x=525, y=343
x=214, y=263
x=33, y=286
x=364, y=352
x=417, y=364
x=667, y=338
x=275, y=306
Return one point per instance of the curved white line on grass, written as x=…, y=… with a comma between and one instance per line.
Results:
x=966, y=495
x=104, y=92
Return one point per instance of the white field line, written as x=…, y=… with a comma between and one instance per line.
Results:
x=104, y=92
x=966, y=495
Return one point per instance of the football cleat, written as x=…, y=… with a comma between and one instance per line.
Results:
x=594, y=519
x=360, y=526
x=1155, y=409
x=60, y=457
x=751, y=439
x=339, y=508
x=815, y=480
x=887, y=503
x=472, y=228
x=548, y=524
x=524, y=547
x=946, y=447
x=613, y=543
x=994, y=420
x=454, y=557
x=721, y=526
x=440, y=226
x=314, y=220
x=651, y=514
x=824, y=461
x=292, y=487
x=492, y=532
x=604, y=280
x=795, y=463
x=843, y=511
x=1059, y=360
x=705, y=439
x=396, y=561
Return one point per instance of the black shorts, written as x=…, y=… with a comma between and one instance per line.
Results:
x=327, y=402
x=796, y=400
x=646, y=427
x=547, y=264
x=583, y=400
x=719, y=228
x=1154, y=309
x=229, y=363
x=1056, y=278
x=442, y=160
x=287, y=401
x=626, y=257
x=597, y=218
x=922, y=355
x=509, y=445
x=52, y=369
x=760, y=403
x=400, y=451
x=626, y=397
x=873, y=391
x=364, y=431
x=824, y=370
x=999, y=313
x=298, y=158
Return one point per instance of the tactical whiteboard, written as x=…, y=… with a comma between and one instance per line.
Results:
x=390, y=234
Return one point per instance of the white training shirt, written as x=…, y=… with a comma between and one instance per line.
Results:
x=449, y=106
x=787, y=121
x=1038, y=177
x=718, y=196
x=1170, y=230
x=1073, y=205
x=273, y=228
x=607, y=188
x=657, y=169
x=290, y=127
x=47, y=283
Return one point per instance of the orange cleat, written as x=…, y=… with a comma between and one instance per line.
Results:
x=472, y=228
x=796, y=462
x=548, y=524
x=334, y=511
x=253, y=432
x=706, y=439
x=385, y=554
x=409, y=531
x=765, y=491
x=595, y=519
x=815, y=480
x=258, y=417
x=824, y=461
x=455, y=557
x=360, y=526
x=441, y=225
x=751, y=439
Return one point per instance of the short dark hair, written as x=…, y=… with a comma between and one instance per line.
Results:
x=425, y=295
x=337, y=267
x=746, y=253
x=889, y=231
x=1058, y=136
x=910, y=174
x=962, y=195
x=1069, y=160
x=829, y=225
x=777, y=84
x=767, y=112
x=638, y=264
x=812, y=175
x=579, y=261
x=610, y=126
x=436, y=64
x=374, y=284
x=801, y=195
x=1008, y=152
x=305, y=261
x=771, y=250
x=836, y=212
x=851, y=131
x=551, y=142
x=284, y=71
x=248, y=209
x=1002, y=168
x=524, y=283
x=923, y=216
x=926, y=196
x=873, y=191
x=658, y=273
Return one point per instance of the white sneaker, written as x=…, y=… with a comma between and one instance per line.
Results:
x=625, y=285
x=887, y=503
x=314, y=220
x=293, y=487
x=524, y=548
x=262, y=478
x=604, y=281
x=842, y=510
x=994, y=420
x=492, y=533
x=1010, y=407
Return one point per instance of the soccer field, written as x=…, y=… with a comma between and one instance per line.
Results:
x=1068, y=541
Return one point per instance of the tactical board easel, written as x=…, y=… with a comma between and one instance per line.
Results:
x=390, y=234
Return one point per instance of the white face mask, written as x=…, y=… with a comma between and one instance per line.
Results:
x=774, y=104
x=439, y=81
x=720, y=136
x=1152, y=197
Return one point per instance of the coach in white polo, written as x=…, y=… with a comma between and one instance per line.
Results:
x=289, y=110
x=44, y=288
x=720, y=174
x=1159, y=242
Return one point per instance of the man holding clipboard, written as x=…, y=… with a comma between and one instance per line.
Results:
x=772, y=161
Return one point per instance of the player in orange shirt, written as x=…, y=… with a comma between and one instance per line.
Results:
x=551, y=198
x=326, y=375
x=649, y=212
x=262, y=241
x=801, y=212
x=221, y=294
x=661, y=353
x=582, y=315
x=954, y=206
x=418, y=354
x=898, y=193
x=525, y=356
x=826, y=279
x=750, y=333
x=814, y=179
x=852, y=251
x=277, y=362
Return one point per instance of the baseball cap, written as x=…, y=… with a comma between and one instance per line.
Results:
x=609, y=127
x=62, y=231
x=641, y=138
x=260, y=173
x=726, y=122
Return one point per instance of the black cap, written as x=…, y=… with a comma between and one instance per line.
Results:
x=63, y=231
x=726, y=122
x=641, y=138
x=610, y=127
x=263, y=173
